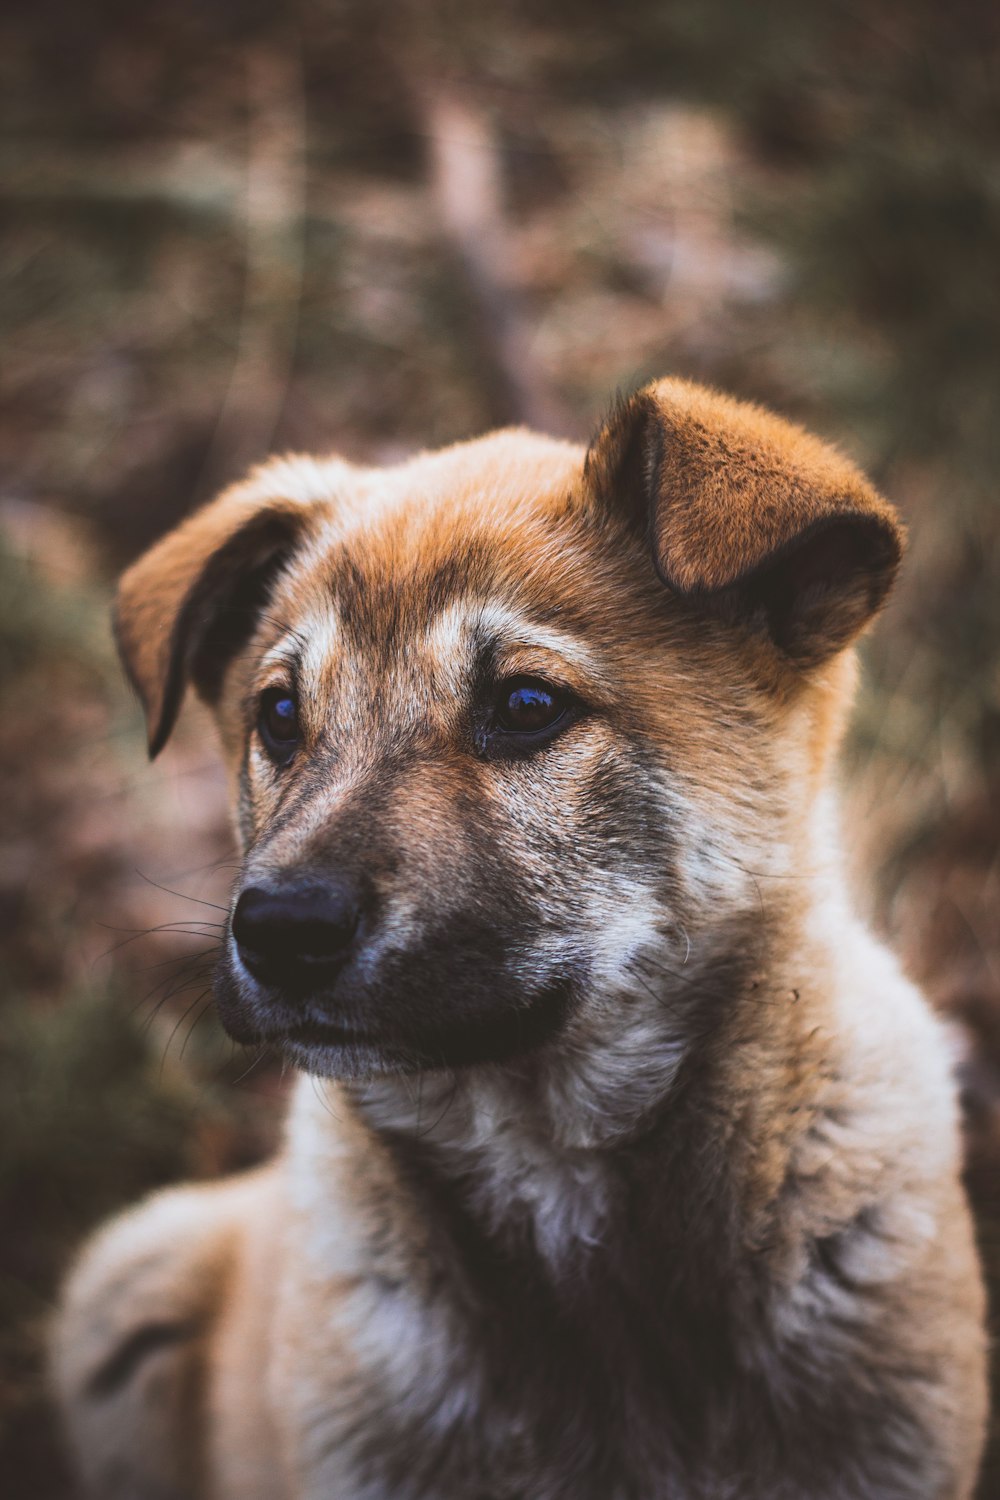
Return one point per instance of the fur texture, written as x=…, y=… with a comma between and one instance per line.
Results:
x=629, y=1165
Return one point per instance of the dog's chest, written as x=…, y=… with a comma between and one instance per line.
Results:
x=430, y=1359
x=462, y=1370
x=451, y=1366
x=434, y=1401
x=419, y=1414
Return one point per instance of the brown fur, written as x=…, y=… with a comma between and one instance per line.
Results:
x=640, y=1175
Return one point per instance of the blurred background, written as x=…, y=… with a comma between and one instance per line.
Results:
x=230, y=228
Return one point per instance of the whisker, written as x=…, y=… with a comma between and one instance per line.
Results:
x=179, y=1023
x=191, y=1029
x=662, y=1000
x=172, y=985
x=135, y=933
x=283, y=625
x=660, y=968
x=181, y=895
x=261, y=1054
x=450, y=1101
x=181, y=958
x=320, y=1096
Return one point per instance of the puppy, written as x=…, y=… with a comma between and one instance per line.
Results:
x=627, y=1162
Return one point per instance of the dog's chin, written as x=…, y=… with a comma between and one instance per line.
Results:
x=329, y=1044
x=332, y=1052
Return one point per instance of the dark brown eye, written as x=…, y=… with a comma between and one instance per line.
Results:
x=279, y=722
x=525, y=705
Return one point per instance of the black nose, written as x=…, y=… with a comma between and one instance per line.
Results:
x=297, y=934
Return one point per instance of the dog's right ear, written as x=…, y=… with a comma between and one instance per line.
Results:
x=188, y=604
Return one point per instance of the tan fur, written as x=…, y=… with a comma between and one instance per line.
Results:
x=740, y=1050
x=738, y=484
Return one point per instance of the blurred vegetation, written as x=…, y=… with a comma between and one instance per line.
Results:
x=227, y=229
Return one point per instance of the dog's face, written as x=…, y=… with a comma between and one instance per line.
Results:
x=508, y=723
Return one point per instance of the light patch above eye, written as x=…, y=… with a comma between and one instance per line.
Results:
x=522, y=647
x=514, y=631
x=317, y=637
x=308, y=643
x=450, y=630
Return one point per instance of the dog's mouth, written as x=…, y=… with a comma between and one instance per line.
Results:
x=382, y=1033
x=323, y=1034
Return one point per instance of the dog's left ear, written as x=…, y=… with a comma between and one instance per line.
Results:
x=749, y=515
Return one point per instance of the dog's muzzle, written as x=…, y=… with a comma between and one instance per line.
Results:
x=308, y=968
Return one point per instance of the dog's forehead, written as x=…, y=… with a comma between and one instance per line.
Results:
x=492, y=529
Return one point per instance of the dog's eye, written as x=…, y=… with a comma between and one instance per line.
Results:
x=527, y=706
x=279, y=723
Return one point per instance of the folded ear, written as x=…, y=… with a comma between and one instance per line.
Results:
x=185, y=608
x=749, y=515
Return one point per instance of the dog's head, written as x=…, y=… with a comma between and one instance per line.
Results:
x=515, y=729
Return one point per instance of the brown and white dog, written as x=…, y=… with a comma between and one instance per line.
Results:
x=628, y=1165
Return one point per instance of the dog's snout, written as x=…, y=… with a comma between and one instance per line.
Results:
x=297, y=933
